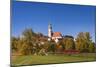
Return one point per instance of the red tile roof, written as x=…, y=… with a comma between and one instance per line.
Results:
x=57, y=34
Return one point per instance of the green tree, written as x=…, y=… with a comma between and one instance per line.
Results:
x=26, y=48
x=52, y=47
x=14, y=44
x=28, y=41
x=92, y=48
x=83, y=41
x=69, y=44
x=29, y=34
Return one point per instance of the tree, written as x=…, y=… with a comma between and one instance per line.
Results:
x=52, y=47
x=26, y=48
x=92, y=48
x=69, y=44
x=29, y=34
x=14, y=43
x=83, y=41
x=60, y=46
x=27, y=41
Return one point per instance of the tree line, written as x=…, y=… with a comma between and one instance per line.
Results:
x=30, y=43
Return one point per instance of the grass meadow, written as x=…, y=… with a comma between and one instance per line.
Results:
x=51, y=59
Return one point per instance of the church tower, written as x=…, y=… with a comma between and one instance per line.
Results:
x=49, y=31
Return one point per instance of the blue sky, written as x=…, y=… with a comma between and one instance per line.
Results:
x=67, y=19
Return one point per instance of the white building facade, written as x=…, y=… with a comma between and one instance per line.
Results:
x=56, y=36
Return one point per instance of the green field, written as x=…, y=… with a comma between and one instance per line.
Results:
x=61, y=58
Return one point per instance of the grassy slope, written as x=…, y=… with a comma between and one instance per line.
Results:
x=31, y=59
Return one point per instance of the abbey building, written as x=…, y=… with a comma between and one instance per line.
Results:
x=56, y=36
